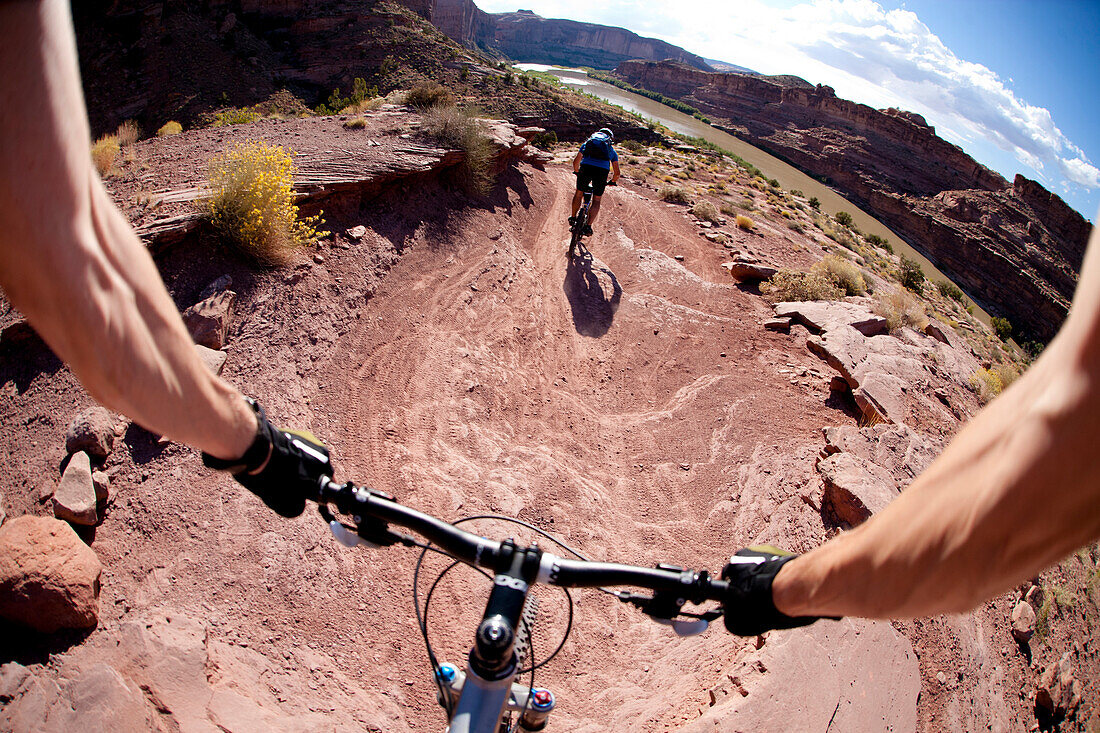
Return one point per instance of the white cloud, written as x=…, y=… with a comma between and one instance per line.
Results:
x=866, y=53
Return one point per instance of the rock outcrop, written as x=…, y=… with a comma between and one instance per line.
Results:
x=1015, y=248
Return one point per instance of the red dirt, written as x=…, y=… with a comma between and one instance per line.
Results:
x=631, y=404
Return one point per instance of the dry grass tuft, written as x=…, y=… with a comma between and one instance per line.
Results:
x=745, y=222
x=793, y=286
x=252, y=205
x=430, y=95
x=900, y=308
x=706, y=211
x=128, y=133
x=356, y=123
x=674, y=195
x=987, y=384
x=105, y=153
x=844, y=273
x=170, y=128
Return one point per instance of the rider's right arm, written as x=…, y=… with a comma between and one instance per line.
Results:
x=1017, y=490
x=72, y=264
x=577, y=162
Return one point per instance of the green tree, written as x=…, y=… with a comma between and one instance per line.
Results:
x=843, y=218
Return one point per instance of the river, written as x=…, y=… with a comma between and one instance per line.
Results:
x=789, y=177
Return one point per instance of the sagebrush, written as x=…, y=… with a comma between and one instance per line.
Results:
x=674, y=195
x=105, y=152
x=843, y=273
x=900, y=308
x=252, y=203
x=458, y=130
x=706, y=211
x=795, y=286
x=170, y=128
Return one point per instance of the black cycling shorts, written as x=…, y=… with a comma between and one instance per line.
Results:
x=595, y=175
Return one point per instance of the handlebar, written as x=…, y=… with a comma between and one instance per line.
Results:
x=372, y=512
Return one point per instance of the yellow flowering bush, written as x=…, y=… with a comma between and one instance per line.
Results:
x=252, y=203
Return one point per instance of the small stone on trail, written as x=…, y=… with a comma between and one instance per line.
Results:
x=75, y=497
x=102, y=484
x=319, y=258
x=213, y=359
x=1023, y=622
x=782, y=325
x=357, y=232
x=208, y=320
x=93, y=430
x=679, y=258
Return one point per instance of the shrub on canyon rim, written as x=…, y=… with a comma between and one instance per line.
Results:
x=252, y=204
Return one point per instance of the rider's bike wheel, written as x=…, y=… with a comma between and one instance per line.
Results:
x=577, y=230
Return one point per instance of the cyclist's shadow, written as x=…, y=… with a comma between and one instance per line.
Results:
x=593, y=293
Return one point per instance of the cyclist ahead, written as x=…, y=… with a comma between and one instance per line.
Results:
x=594, y=161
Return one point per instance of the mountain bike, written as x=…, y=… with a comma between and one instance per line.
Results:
x=486, y=697
x=581, y=220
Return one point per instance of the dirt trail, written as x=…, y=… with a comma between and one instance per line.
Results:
x=629, y=402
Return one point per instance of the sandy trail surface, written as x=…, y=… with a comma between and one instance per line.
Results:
x=629, y=402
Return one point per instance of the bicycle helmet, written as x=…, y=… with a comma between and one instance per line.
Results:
x=607, y=131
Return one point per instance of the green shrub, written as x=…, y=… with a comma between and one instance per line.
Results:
x=843, y=273
x=911, y=274
x=706, y=211
x=948, y=289
x=545, y=140
x=457, y=130
x=1002, y=327
x=252, y=204
x=900, y=308
x=634, y=146
x=170, y=128
x=727, y=208
x=792, y=285
x=105, y=152
x=430, y=94
x=876, y=241
x=674, y=195
x=814, y=203
x=843, y=218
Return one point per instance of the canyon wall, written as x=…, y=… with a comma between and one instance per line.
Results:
x=1015, y=248
x=525, y=36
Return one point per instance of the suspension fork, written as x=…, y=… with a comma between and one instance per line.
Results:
x=487, y=689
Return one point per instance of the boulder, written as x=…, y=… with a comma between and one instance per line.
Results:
x=49, y=579
x=778, y=324
x=1023, y=622
x=213, y=359
x=743, y=270
x=1058, y=691
x=93, y=431
x=900, y=449
x=828, y=315
x=208, y=320
x=855, y=489
x=879, y=397
x=75, y=497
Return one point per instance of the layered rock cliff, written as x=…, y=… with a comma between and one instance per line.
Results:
x=525, y=36
x=1015, y=248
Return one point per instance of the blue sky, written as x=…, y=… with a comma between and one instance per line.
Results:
x=1012, y=82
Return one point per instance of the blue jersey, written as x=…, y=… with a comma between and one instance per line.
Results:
x=597, y=151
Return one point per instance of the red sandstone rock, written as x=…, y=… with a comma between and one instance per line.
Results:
x=208, y=320
x=93, y=430
x=49, y=579
x=855, y=489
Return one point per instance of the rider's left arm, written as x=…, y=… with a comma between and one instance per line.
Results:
x=615, y=171
x=70, y=261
